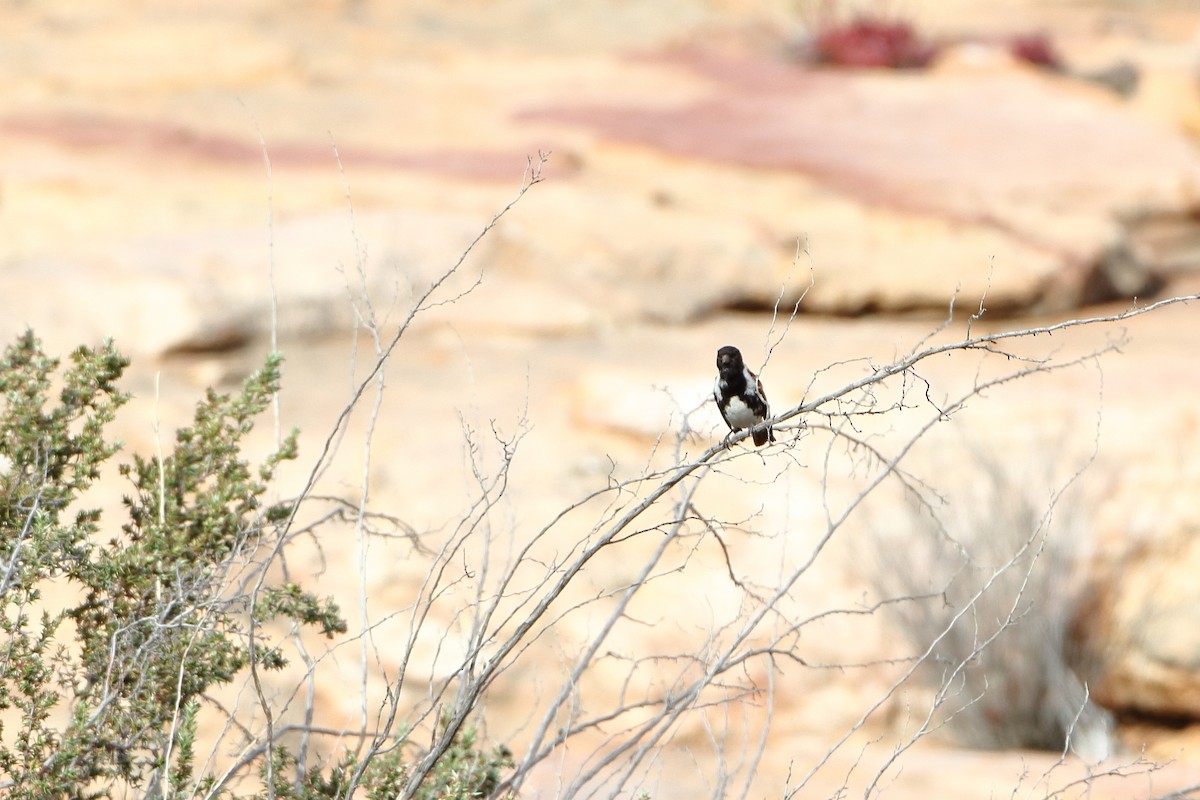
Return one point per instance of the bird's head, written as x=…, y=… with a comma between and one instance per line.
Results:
x=729, y=357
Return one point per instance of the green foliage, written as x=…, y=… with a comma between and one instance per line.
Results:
x=465, y=772
x=51, y=452
x=289, y=600
x=104, y=685
x=109, y=644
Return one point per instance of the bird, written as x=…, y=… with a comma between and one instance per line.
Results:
x=740, y=396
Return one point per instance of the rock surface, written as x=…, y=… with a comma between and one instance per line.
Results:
x=1143, y=633
x=747, y=172
x=178, y=182
x=1003, y=166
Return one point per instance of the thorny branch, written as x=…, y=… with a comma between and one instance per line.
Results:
x=508, y=612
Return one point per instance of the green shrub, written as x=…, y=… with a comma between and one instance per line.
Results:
x=99, y=694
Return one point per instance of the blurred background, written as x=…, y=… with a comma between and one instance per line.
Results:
x=200, y=180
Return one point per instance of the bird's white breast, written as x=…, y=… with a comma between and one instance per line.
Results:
x=739, y=414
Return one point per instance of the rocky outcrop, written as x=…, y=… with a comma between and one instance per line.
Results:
x=683, y=181
x=1141, y=626
x=988, y=176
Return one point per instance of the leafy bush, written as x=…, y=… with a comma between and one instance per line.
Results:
x=102, y=678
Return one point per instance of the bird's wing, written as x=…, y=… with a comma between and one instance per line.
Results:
x=754, y=384
x=717, y=398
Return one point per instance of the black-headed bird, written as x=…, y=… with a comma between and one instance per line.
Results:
x=740, y=396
